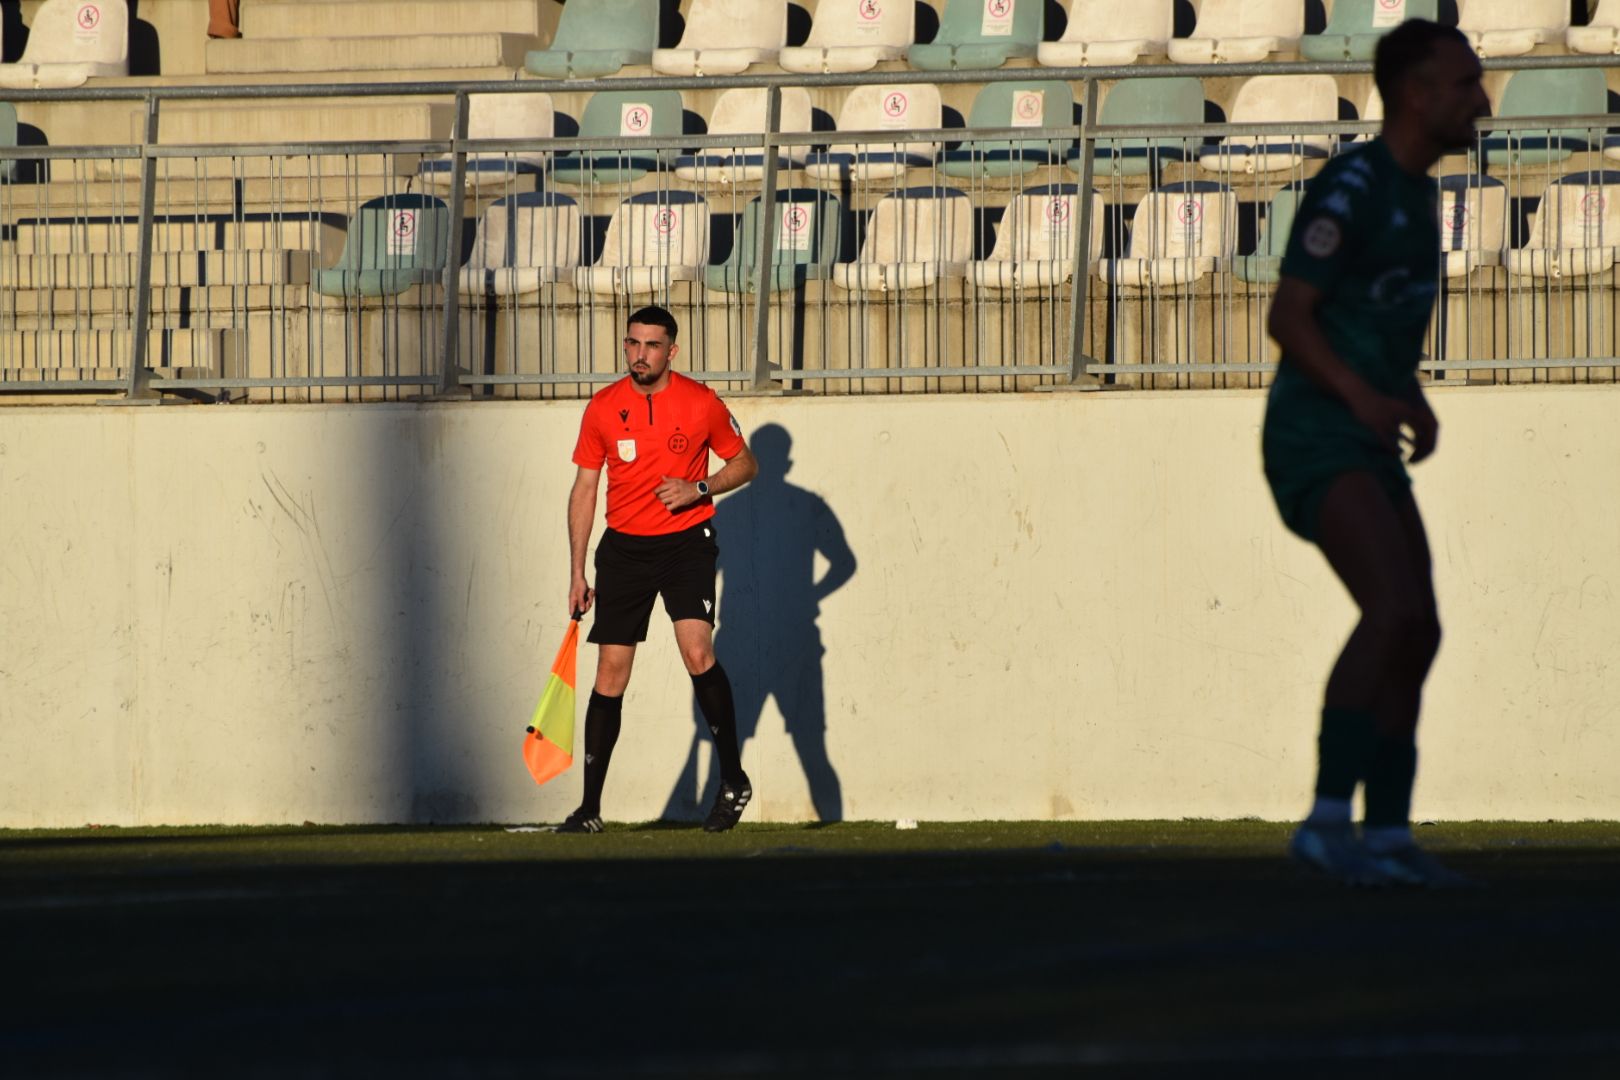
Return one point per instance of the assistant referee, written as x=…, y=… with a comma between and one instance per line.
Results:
x=654, y=429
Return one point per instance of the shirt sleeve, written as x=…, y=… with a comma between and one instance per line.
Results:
x=589, y=453
x=725, y=434
x=1328, y=226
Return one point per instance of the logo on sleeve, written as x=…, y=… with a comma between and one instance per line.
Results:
x=627, y=449
x=736, y=428
x=1322, y=238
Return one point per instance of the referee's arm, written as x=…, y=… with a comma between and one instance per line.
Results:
x=581, y=513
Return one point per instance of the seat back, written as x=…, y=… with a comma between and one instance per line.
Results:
x=1556, y=92
x=1354, y=18
x=1281, y=99
x=597, y=25
x=658, y=228
x=535, y=229
x=1109, y=20
x=1152, y=101
x=735, y=24
x=1581, y=210
x=992, y=22
x=861, y=23
x=745, y=111
x=1279, y=222
x=880, y=108
x=397, y=232
x=1473, y=213
x=510, y=116
x=8, y=137
x=1250, y=18
x=1194, y=219
x=920, y=225
x=1484, y=16
x=631, y=113
x=79, y=32
x=1047, y=103
x=806, y=231
x=1040, y=225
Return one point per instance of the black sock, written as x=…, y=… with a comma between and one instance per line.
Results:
x=601, y=732
x=713, y=691
x=1389, y=783
x=1344, y=751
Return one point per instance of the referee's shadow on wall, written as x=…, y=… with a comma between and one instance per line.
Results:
x=767, y=638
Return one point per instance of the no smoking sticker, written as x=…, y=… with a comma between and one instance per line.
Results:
x=798, y=223
x=402, y=232
x=635, y=118
x=1058, y=212
x=998, y=18
x=868, y=17
x=1593, y=204
x=1322, y=238
x=1389, y=12
x=895, y=108
x=1029, y=108
x=87, y=24
x=1190, y=213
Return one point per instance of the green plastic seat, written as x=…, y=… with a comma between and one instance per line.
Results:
x=1178, y=100
x=806, y=243
x=8, y=137
x=1264, y=266
x=598, y=37
x=1355, y=26
x=999, y=105
x=616, y=114
x=394, y=242
x=1547, y=92
x=975, y=35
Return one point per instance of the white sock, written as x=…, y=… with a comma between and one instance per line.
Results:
x=1388, y=838
x=1326, y=811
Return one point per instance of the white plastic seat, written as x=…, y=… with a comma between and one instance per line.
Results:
x=1512, y=27
x=1575, y=230
x=1179, y=234
x=1107, y=33
x=1601, y=36
x=499, y=116
x=1035, y=242
x=1473, y=223
x=915, y=238
x=654, y=239
x=1276, y=99
x=725, y=37
x=69, y=43
x=879, y=108
x=1240, y=32
x=852, y=35
x=742, y=111
x=523, y=242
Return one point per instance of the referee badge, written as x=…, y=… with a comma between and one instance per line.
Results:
x=627, y=449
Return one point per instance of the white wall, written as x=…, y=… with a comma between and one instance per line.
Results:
x=1063, y=606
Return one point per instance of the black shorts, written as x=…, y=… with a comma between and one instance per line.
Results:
x=631, y=571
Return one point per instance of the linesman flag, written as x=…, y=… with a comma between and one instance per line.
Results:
x=548, y=748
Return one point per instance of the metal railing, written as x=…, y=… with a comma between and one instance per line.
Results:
x=269, y=331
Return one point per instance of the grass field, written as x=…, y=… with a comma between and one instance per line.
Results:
x=1027, y=949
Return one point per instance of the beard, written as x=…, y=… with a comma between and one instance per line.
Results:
x=644, y=378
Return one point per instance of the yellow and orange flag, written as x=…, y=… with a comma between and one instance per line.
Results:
x=548, y=748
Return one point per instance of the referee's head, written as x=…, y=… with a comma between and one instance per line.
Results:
x=649, y=346
x=1429, y=79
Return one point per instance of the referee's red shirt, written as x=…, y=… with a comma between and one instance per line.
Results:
x=643, y=438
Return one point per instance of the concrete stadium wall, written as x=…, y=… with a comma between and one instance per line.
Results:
x=1064, y=606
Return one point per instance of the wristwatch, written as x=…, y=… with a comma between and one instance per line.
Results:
x=703, y=489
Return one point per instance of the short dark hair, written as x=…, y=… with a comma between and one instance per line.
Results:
x=1402, y=51
x=653, y=315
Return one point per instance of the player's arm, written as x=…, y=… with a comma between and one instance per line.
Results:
x=740, y=468
x=581, y=513
x=1294, y=324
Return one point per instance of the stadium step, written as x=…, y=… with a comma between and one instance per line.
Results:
x=214, y=194
x=362, y=18
x=67, y=308
x=123, y=237
x=43, y=354
x=188, y=269
x=242, y=56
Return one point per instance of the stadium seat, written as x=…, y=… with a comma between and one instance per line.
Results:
x=1035, y=242
x=976, y=35
x=1547, y=92
x=1145, y=101
x=70, y=42
x=1012, y=104
x=1574, y=231
x=1179, y=234
x=621, y=114
x=853, y=35
x=394, y=242
x=806, y=243
x=8, y=137
x=725, y=37
x=498, y=116
x=1264, y=266
x=654, y=239
x=1512, y=27
x=1354, y=27
x=1108, y=33
x=743, y=112
x=1371, y=109
x=879, y=108
x=1276, y=99
x=598, y=37
x=915, y=238
x=1473, y=222
x=1240, y=32
x=523, y=242
x=1602, y=35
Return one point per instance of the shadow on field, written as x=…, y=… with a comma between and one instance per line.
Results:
x=770, y=534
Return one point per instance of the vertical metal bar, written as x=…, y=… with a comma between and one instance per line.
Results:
x=139, y=386
x=1081, y=294
x=764, y=265
x=450, y=369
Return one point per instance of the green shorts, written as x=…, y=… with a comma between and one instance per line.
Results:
x=1300, y=475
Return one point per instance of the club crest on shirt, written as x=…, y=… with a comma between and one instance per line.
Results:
x=1321, y=237
x=627, y=449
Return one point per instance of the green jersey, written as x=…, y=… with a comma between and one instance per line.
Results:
x=1367, y=234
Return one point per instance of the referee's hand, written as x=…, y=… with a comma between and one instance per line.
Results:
x=675, y=493
x=580, y=596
